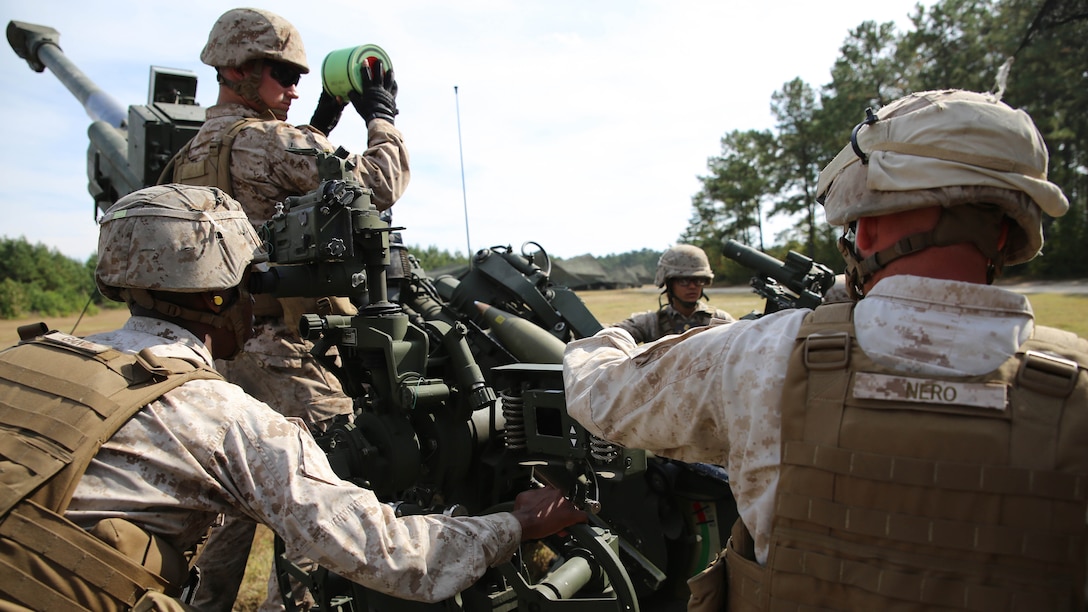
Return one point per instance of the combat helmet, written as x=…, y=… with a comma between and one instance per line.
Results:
x=967, y=152
x=245, y=34
x=682, y=260
x=178, y=239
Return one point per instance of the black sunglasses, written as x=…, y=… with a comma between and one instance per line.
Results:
x=687, y=281
x=284, y=74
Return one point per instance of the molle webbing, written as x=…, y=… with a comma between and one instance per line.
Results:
x=214, y=170
x=50, y=563
x=64, y=398
x=888, y=501
x=61, y=397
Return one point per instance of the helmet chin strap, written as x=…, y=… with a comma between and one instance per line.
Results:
x=249, y=89
x=977, y=224
x=230, y=318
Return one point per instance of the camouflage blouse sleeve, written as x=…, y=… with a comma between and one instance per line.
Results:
x=278, y=474
x=384, y=165
x=265, y=171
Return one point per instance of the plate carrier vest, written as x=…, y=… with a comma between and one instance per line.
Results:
x=924, y=492
x=61, y=398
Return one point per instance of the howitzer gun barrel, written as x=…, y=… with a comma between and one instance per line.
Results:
x=110, y=142
x=40, y=47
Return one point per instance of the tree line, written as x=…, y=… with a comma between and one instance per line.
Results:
x=38, y=280
x=41, y=281
x=1031, y=50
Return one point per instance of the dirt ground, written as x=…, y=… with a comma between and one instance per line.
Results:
x=612, y=306
x=104, y=320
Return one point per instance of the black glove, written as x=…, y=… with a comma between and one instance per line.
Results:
x=327, y=114
x=379, y=97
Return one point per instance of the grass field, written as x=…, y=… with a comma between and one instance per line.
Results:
x=1069, y=312
x=1064, y=311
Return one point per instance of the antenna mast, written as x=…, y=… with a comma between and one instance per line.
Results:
x=460, y=151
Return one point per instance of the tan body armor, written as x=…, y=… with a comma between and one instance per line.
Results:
x=212, y=171
x=906, y=492
x=61, y=397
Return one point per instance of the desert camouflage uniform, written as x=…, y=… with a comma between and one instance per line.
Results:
x=276, y=366
x=656, y=324
x=263, y=172
x=731, y=416
x=207, y=448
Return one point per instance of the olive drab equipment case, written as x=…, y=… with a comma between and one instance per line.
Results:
x=61, y=398
x=924, y=492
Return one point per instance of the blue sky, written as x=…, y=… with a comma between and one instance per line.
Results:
x=583, y=124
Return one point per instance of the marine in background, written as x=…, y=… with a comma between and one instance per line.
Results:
x=682, y=273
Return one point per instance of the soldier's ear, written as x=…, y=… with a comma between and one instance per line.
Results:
x=236, y=74
x=865, y=234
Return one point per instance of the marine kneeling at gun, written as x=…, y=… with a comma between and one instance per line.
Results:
x=111, y=526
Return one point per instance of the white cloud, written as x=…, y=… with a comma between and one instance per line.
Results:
x=583, y=124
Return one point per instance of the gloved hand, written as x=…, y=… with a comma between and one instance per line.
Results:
x=327, y=114
x=379, y=97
